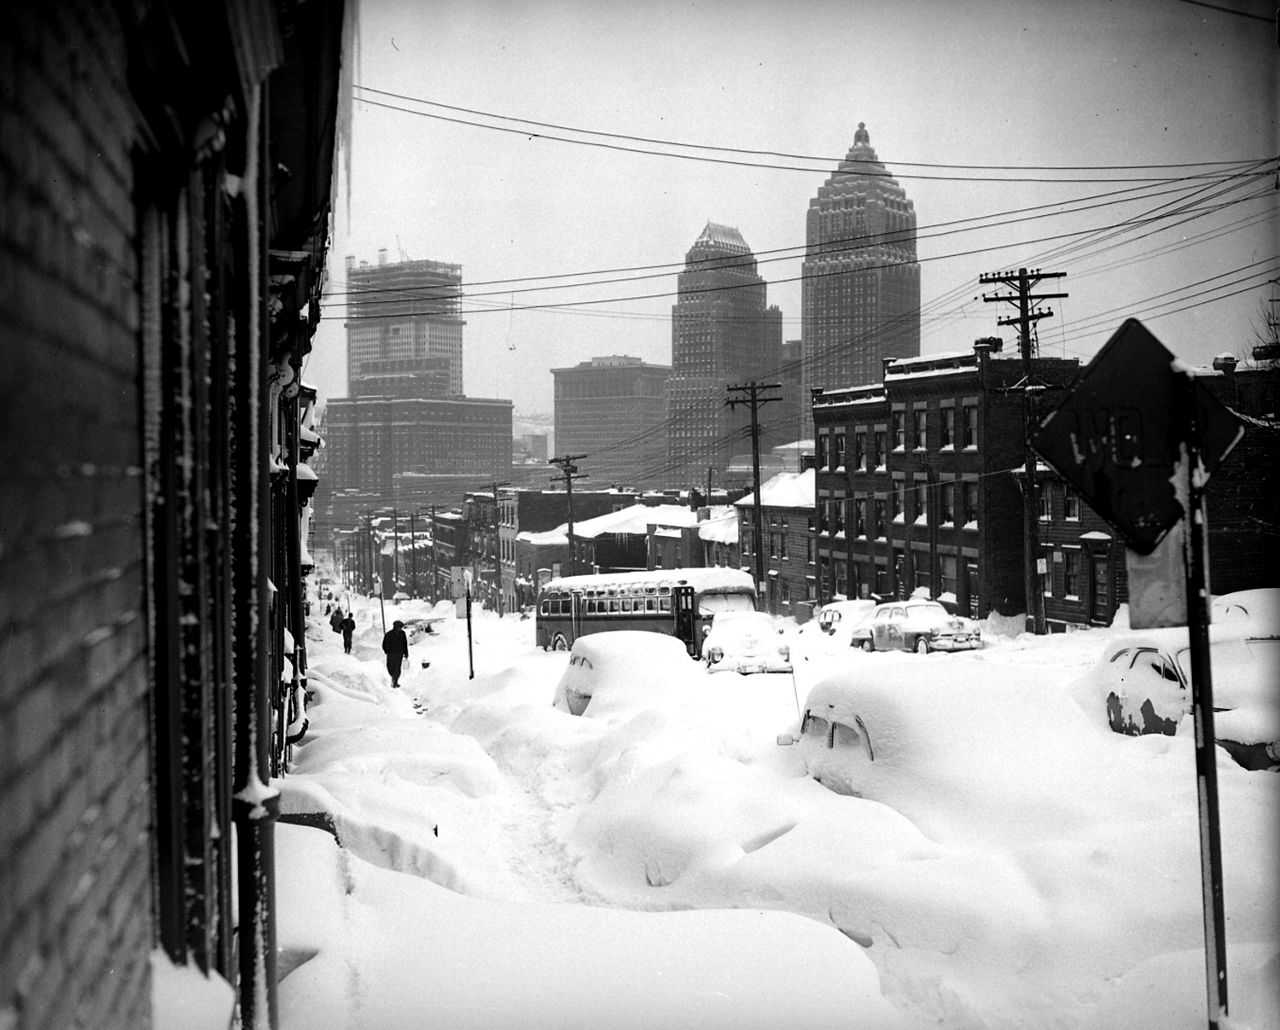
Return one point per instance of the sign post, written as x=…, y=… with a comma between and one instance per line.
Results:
x=1139, y=437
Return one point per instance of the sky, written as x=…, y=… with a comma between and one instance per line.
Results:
x=663, y=861
x=1128, y=101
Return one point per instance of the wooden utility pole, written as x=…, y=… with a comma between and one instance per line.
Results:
x=497, y=546
x=413, y=555
x=568, y=472
x=1022, y=283
x=435, y=596
x=752, y=395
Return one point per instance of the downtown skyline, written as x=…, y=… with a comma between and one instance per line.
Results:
x=1103, y=154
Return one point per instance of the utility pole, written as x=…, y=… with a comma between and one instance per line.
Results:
x=434, y=589
x=753, y=395
x=413, y=554
x=395, y=550
x=1022, y=283
x=497, y=546
x=569, y=472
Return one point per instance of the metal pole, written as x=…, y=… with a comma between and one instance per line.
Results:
x=471, y=662
x=1197, y=559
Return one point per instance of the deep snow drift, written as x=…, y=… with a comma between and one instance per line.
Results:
x=1036, y=872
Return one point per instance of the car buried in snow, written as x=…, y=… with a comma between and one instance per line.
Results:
x=1142, y=680
x=611, y=670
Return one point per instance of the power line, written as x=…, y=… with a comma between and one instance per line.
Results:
x=593, y=302
x=856, y=243
x=825, y=160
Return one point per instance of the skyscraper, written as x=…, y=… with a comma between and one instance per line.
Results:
x=406, y=311
x=860, y=297
x=722, y=333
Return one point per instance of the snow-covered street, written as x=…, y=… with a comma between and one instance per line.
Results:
x=663, y=861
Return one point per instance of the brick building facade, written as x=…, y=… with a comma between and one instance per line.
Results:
x=916, y=480
x=158, y=290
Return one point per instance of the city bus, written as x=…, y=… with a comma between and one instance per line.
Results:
x=678, y=602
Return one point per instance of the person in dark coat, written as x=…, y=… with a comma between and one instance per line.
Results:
x=335, y=620
x=348, y=627
x=395, y=645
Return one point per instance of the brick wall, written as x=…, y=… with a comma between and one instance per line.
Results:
x=75, y=901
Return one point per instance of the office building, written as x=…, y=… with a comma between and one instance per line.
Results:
x=860, y=295
x=406, y=311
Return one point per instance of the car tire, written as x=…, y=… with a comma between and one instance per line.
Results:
x=868, y=645
x=922, y=645
x=559, y=642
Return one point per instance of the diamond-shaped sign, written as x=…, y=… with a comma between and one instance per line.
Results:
x=1118, y=435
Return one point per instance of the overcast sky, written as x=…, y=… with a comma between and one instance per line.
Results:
x=1031, y=88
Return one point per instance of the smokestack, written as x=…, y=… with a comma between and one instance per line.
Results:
x=382, y=256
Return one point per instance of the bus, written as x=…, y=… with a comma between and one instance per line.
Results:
x=678, y=602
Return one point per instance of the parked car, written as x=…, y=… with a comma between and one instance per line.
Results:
x=1142, y=681
x=745, y=642
x=916, y=625
x=839, y=619
x=603, y=667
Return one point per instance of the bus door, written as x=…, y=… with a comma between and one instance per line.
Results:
x=575, y=616
x=686, y=617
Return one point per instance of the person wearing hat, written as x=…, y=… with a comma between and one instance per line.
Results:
x=395, y=645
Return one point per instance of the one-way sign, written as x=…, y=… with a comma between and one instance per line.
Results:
x=1119, y=434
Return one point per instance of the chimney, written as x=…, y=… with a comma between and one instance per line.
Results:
x=884, y=366
x=988, y=345
x=1226, y=364
x=382, y=256
x=351, y=262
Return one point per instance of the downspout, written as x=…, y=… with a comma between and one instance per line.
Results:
x=254, y=804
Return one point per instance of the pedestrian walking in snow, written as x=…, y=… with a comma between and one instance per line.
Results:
x=335, y=620
x=395, y=645
x=348, y=627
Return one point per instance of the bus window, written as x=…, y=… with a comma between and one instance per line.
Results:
x=664, y=604
x=651, y=604
x=566, y=606
x=613, y=605
x=545, y=607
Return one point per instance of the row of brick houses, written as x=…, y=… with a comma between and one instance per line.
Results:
x=165, y=189
x=915, y=479
x=921, y=479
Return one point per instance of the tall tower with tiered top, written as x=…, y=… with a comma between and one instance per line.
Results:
x=860, y=297
x=722, y=333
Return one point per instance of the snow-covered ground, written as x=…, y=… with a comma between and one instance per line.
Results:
x=663, y=861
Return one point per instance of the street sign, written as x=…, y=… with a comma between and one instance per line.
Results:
x=1118, y=436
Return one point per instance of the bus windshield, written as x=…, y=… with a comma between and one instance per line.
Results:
x=711, y=603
